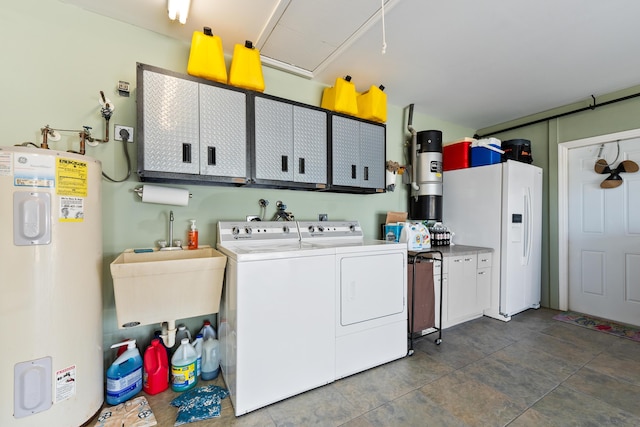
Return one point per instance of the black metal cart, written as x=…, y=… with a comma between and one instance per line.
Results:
x=413, y=258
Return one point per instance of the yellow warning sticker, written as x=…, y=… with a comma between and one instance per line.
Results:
x=71, y=177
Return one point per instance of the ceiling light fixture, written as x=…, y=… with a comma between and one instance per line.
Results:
x=178, y=9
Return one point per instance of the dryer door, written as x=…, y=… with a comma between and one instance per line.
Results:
x=370, y=287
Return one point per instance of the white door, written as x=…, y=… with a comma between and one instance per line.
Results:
x=604, y=235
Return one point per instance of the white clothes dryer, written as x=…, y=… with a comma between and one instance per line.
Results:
x=371, y=294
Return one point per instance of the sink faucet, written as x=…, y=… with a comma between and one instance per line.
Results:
x=177, y=247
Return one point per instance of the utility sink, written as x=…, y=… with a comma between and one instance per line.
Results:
x=160, y=286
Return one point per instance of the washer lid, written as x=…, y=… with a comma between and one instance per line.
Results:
x=257, y=251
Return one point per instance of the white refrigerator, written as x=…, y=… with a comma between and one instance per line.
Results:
x=500, y=206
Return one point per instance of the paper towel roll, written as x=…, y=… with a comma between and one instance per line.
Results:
x=165, y=195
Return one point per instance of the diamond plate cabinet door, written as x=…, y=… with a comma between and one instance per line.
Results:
x=223, y=132
x=357, y=155
x=310, y=147
x=273, y=140
x=290, y=144
x=170, y=124
x=372, y=155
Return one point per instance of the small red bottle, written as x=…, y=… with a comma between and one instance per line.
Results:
x=155, y=378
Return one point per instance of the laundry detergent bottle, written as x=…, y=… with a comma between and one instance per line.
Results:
x=156, y=368
x=183, y=367
x=124, y=376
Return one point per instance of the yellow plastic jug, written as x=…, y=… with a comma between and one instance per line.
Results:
x=246, y=68
x=341, y=97
x=372, y=104
x=206, y=58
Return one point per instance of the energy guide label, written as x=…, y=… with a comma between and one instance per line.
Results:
x=71, y=177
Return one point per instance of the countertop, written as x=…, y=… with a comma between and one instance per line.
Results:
x=452, y=250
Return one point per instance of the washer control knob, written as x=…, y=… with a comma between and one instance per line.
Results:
x=320, y=228
x=285, y=229
x=311, y=229
x=235, y=231
x=248, y=230
x=352, y=228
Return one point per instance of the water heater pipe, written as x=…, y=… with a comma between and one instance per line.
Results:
x=414, y=149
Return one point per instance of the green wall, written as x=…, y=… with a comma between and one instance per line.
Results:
x=57, y=57
x=545, y=137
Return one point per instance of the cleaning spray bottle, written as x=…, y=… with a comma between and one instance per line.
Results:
x=124, y=376
x=192, y=236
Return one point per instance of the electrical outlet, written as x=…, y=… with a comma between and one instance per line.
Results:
x=323, y=217
x=118, y=137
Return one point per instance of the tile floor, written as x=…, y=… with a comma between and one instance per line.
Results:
x=531, y=371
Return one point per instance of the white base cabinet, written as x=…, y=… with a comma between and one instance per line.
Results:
x=466, y=280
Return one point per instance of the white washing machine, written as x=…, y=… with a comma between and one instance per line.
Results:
x=277, y=313
x=370, y=297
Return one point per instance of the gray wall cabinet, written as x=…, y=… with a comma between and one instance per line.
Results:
x=357, y=155
x=192, y=130
x=290, y=144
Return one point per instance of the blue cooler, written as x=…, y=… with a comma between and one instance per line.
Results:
x=486, y=152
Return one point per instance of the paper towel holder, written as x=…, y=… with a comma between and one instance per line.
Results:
x=140, y=192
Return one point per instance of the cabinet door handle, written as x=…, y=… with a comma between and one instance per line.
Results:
x=457, y=260
x=482, y=272
x=484, y=260
x=285, y=164
x=186, y=153
x=211, y=155
x=353, y=171
x=301, y=165
x=468, y=259
x=366, y=173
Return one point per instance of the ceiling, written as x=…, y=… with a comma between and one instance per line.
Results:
x=469, y=62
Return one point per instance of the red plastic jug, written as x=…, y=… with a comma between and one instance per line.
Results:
x=155, y=378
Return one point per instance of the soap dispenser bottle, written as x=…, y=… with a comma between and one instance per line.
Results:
x=124, y=376
x=192, y=236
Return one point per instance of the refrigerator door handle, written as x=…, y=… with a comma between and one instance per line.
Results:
x=528, y=223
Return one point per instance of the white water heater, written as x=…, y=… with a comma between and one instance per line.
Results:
x=51, y=359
